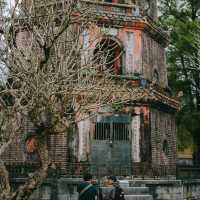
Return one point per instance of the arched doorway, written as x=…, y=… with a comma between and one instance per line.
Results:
x=108, y=54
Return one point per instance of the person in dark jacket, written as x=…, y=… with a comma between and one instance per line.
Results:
x=86, y=190
x=117, y=192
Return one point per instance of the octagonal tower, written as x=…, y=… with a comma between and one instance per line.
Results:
x=139, y=136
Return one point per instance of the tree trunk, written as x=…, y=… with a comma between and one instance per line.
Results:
x=5, y=190
x=32, y=183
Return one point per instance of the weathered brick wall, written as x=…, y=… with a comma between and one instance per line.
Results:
x=58, y=152
x=153, y=58
x=14, y=153
x=57, y=144
x=163, y=130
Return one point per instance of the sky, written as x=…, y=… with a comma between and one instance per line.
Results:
x=3, y=69
x=10, y=2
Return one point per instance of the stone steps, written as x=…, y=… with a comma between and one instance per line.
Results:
x=136, y=190
x=129, y=190
x=139, y=197
x=132, y=193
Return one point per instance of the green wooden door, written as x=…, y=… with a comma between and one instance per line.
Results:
x=111, y=146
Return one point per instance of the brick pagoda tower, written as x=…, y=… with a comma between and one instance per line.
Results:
x=139, y=137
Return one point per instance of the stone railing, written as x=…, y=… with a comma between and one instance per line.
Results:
x=113, y=8
x=100, y=8
x=187, y=172
x=154, y=171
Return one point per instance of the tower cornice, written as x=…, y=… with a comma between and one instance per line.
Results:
x=129, y=16
x=138, y=24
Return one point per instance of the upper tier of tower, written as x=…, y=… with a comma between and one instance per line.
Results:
x=143, y=7
x=122, y=7
x=140, y=43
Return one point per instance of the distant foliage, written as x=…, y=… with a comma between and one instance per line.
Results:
x=182, y=20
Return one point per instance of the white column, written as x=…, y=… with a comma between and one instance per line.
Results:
x=129, y=53
x=83, y=139
x=85, y=52
x=135, y=126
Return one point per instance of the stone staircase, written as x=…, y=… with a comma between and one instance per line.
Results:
x=133, y=193
x=137, y=193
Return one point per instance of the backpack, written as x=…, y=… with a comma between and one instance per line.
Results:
x=117, y=194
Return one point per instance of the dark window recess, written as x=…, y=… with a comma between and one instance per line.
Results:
x=102, y=131
x=111, y=131
x=165, y=147
x=156, y=77
x=108, y=55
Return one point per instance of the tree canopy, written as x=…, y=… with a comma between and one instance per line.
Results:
x=182, y=20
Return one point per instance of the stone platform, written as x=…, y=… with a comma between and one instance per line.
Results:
x=133, y=193
x=135, y=189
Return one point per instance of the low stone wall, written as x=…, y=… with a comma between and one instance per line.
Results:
x=57, y=189
x=171, y=189
x=66, y=189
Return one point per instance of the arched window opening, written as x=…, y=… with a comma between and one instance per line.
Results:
x=165, y=147
x=108, y=54
x=155, y=77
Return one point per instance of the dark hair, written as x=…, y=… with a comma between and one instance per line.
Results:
x=87, y=177
x=113, y=178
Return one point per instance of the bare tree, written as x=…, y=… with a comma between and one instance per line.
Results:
x=53, y=77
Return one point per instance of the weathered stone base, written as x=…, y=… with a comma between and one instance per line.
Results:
x=171, y=189
x=65, y=189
